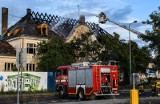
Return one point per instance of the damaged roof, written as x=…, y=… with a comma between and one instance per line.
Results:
x=6, y=49
x=57, y=25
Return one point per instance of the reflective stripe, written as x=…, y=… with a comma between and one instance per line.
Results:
x=114, y=88
x=63, y=80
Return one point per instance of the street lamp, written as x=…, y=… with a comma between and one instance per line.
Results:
x=130, y=51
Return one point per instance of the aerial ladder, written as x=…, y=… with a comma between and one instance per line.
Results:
x=103, y=19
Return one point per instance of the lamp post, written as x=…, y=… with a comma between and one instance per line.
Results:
x=130, y=65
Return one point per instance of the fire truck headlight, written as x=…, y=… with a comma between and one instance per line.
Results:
x=63, y=80
x=57, y=80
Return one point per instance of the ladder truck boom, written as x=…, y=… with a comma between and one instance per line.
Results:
x=103, y=19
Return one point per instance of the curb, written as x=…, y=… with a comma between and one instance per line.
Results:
x=126, y=90
x=28, y=95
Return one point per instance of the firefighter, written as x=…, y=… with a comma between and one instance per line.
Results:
x=141, y=88
x=158, y=87
x=153, y=87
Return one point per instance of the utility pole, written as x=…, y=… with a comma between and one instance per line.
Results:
x=18, y=87
x=18, y=76
x=130, y=58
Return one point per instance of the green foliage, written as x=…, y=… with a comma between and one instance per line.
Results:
x=57, y=52
x=117, y=49
x=54, y=53
x=14, y=68
x=153, y=36
x=141, y=58
x=86, y=48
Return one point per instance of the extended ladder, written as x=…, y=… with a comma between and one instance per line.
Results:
x=98, y=78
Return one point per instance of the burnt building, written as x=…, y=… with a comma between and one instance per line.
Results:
x=33, y=28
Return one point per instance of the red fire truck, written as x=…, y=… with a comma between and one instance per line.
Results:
x=87, y=79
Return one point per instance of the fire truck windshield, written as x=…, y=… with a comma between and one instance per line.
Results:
x=61, y=72
x=58, y=73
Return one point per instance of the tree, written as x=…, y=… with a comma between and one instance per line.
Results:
x=14, y=68
x=54, y=53
x=117, y=49
x=86, y=48
x=140, y=57
x=153, y=36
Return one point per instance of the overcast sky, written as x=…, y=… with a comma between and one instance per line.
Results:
x=122, y=11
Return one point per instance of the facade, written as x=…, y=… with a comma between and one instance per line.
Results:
x=28, y=46
x=7, y=56
x=23, y=36
x=7, y=63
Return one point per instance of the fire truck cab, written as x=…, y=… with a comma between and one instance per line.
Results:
x=86, y=79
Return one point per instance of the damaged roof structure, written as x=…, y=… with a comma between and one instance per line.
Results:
x=29, y=24
x=60, y=26
x=36, y=27
x=6, y=49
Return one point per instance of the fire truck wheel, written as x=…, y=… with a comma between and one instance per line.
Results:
x=61, y=93
x=92, y=97
x=81, y=94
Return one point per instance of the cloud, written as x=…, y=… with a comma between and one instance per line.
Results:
x=117, y=10
x=58, y=7
x=120, y=14
x=141, y=43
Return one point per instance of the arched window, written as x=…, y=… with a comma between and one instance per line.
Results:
x=43, y=29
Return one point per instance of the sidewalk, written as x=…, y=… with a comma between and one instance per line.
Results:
x=35, y=97
x=28, y=95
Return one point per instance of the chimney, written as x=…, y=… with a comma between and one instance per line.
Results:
x=4, y=20
x=82, y=20
x=28, y=11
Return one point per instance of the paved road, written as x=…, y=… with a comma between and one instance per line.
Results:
x=150, y=100
x=123, y=98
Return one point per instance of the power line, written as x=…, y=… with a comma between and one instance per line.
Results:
x=14, y=16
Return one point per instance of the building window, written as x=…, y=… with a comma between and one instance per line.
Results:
x=30, y=67
x=8, y=66
x=43, y=29
x=31, y=48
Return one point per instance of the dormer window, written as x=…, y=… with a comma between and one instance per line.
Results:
x=13, y=32
x=9, y=33
x=43, y=29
